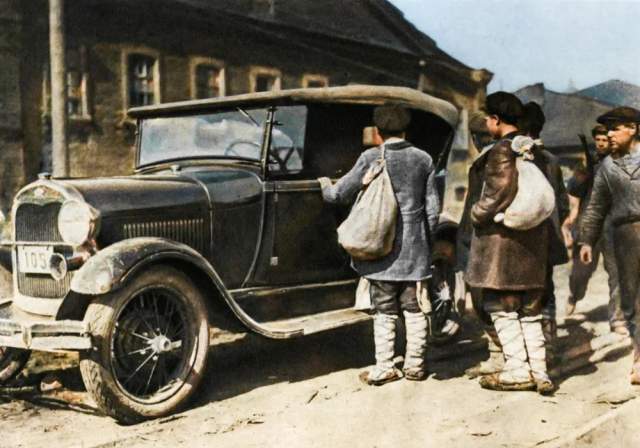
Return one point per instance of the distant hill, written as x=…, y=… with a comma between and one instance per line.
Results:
x=615, y=92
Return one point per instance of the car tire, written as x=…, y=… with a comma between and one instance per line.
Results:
x=150, y=341
x=12, y=361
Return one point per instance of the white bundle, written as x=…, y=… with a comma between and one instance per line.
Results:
x=535, y=199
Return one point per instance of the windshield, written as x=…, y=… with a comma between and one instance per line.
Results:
x=235, y=134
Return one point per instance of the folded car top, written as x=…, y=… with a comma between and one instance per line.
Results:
x=352, y=94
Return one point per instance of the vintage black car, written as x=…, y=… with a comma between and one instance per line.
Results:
x=221, y=228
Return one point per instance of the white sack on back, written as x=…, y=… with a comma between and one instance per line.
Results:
x=369, y=231
x=535, y=199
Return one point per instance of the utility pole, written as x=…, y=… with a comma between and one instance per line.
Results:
x=60, y=155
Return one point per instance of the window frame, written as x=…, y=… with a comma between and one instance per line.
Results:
x=256, y=71
x=196, y=61
x=85, y=103
x=309, y=77
x=127, y=52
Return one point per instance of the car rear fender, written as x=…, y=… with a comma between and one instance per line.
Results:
x=111, y=267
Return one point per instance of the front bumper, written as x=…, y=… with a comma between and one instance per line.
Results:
x=45, y=335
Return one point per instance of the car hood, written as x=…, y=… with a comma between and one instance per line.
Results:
x=116, y=195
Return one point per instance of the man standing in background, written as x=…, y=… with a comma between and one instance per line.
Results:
x=616, y=196
x=579, y=194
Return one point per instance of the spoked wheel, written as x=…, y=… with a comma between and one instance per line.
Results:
x=150, y=346
x=12, y=361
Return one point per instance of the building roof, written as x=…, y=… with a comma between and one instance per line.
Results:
x=371, y=22
x=615, y=92
x=353, y=94
x=567, y=115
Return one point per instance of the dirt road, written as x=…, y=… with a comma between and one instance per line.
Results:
x=306, y=393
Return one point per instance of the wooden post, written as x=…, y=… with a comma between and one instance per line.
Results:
x=60, y=156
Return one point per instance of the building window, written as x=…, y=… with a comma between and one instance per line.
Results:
x=264, y=79
x=74, y=96
x=142, y=80
x=77, y=81
x=207, y=78
x=315, y=81
x=140, y=77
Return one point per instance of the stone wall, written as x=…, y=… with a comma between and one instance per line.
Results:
x=11, y=136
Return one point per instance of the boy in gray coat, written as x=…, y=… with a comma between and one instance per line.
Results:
x=393, y=277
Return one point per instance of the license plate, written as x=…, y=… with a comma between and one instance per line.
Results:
x=34, y=259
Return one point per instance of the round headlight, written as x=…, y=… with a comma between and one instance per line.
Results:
x=77, y=222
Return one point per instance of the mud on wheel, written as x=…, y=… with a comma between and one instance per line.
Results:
x=150, y=345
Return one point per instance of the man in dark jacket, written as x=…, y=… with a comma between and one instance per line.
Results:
x=616, y=193
x=394, y=277
x=580, y=191
x=509, y=266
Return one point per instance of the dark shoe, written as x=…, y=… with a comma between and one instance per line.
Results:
x=389, y=376
x=545, y=387
x=493, y=382
x=415, y=374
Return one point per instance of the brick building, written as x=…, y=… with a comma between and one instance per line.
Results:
x=123, y=53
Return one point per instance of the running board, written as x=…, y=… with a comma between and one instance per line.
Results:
x=305, y=325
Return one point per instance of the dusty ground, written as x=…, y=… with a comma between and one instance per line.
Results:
x=306, y=393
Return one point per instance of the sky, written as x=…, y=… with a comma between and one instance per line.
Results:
x=562, y=43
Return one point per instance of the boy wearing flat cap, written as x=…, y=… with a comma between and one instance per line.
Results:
x=393, y=277
x=508, y=266
x=616, y=194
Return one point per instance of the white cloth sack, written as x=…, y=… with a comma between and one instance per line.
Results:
x=535, y=200
x=369, y=230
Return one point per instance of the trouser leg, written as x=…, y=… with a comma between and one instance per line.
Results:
x=516, y=369
x=616, y=316
x=416, y=333
x=549, y=326
x=627, y=251
x=384, y=298
x=503, y=308
x=495, y=362
x=536, y=341
x=549, y=305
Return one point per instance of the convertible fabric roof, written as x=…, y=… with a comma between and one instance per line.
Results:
x=352, y=94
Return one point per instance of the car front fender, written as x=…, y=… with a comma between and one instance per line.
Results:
x=108, y=269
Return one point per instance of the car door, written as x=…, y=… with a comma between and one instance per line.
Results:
x=300, y=242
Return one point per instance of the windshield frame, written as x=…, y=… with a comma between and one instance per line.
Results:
x=266, y=137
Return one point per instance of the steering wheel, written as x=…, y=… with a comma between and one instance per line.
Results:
x=274, y=156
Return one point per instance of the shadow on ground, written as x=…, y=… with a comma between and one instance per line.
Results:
x=578, y=335
x=241, y=366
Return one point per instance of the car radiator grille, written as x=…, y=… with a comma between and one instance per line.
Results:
x=187, y=231
x=43, y=286
x=39, y=223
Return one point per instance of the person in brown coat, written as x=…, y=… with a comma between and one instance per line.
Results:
x=509, y=266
